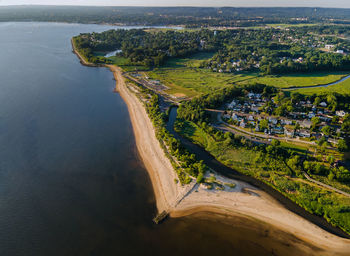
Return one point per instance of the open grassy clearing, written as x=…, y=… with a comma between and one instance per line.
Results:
x=342, y=88
x=192, y=82
x=298, y=80
x=183, y=77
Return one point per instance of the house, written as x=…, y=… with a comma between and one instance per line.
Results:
x=278, y=130
x=257, y=128
x=340, y=51
x=232, y=104
x=227, y=116
x=323, y=104
x=242, y=124
x=310, y=115
x=251, y=118
x=333, y=141
x=286, y=122
x=304, y=133
x=289, y=131
x=234, y=117
x=340, y=113
x=329, y=46
x=254, y=108
x=306, y=124
x=273, y=121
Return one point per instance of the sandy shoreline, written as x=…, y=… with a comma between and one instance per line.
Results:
x=231, y=202
x=257, y=204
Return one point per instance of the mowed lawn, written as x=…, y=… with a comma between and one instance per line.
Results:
x=342, y=88
x=299, y=80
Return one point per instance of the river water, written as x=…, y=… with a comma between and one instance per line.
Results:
x=71, y=181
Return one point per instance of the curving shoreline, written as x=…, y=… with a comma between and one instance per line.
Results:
x=235, y=202
x=257, y=204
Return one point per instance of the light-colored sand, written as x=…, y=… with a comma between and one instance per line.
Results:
x=158, y=166
x=251, y=203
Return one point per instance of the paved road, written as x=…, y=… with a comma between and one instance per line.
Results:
x=263, y=136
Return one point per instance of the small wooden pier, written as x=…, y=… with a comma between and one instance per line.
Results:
x=160, y=217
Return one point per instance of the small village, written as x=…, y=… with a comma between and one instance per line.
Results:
x=307, y=121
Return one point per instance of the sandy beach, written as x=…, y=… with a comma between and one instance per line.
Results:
x=243, y=200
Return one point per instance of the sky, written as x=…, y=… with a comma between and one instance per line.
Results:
x=235, y=3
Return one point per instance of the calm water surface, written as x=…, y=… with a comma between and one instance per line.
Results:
x=71, y=182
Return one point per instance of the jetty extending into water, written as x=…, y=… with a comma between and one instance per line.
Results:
x=160, y=217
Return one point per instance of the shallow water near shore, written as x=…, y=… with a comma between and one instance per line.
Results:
x=71, y=181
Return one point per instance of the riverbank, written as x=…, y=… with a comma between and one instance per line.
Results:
x=243, y=199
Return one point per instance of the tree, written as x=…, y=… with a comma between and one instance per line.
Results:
x=342, y=146
x=315, y=121
x=275, y=143
x=317, y=101
x=296, y=97
x=326, y=130
x=294, y=163
x=264, y=124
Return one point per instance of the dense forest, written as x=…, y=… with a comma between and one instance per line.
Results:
x=190, y=16
x=146, y=48
x=270, y=51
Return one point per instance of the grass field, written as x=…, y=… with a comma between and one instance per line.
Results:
x=184, y=78
x=192, y=82
x=299, y=80
x=225, y=153
x=342, y=88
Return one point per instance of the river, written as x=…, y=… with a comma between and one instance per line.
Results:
x=71, y=181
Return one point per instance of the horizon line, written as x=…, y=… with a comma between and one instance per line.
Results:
x=168, y=6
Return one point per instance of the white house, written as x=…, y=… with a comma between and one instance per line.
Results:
x=329, y=46
x=323, y=104
x=340, y=113
x=286, y=122
x=340, y=51
x=304, y=133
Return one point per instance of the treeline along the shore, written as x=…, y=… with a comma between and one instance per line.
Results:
x=185, y=164
x=276, y=165
x=189, y=16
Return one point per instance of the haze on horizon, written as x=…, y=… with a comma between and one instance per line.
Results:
x=203, y=3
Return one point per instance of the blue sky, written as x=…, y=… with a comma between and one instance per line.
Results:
x=237, y=3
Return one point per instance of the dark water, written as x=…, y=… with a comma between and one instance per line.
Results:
x=71, y=182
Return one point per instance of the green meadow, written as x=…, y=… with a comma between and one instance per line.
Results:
x=299, y=80
x=184, y=77
x=342, y=88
